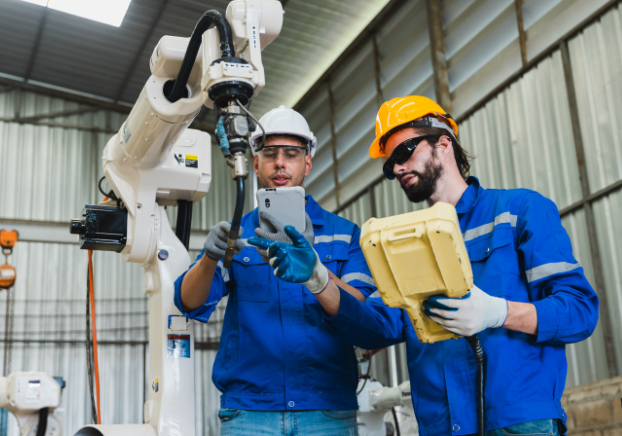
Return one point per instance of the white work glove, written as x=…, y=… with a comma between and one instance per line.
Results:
x=278, y=232
x=216, y=241
x=469, y=315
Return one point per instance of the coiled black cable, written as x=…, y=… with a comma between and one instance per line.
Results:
x=476, y=346
x=227, y=50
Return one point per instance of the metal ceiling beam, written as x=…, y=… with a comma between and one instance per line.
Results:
x=437, y=51
x=130, y=71
x=66, y=113
x=522, y=36
x=377, y=72
x=64, y=94
x=35, y=49
x=333, y=138
x=59, y=125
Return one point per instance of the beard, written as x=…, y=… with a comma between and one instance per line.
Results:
x=426, y=182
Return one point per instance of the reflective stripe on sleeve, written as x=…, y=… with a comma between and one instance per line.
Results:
x=331, y=238
x=223, y=272
x=549, y=269
x=503, y=218
x=375, y=295
x=358, y=276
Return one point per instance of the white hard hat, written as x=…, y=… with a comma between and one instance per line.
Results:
x=284, y=121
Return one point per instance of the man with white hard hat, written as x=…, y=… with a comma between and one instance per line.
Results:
x=280, y=368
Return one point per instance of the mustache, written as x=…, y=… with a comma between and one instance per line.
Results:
x=280, y=173
x=409, y=173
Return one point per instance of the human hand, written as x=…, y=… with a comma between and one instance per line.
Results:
x=278, y=234
x=295, y=263
x=469, y=315
x=216, y=241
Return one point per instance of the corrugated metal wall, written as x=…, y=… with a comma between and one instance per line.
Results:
x=482, y=51
x=523, y=137
x=47, y=175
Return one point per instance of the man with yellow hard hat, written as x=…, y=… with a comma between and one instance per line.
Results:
x=530, y=297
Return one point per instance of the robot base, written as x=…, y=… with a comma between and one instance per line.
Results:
x=116, y=430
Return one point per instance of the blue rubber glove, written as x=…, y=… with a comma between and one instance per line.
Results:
x=469, y=315
x=295, y=263
x=221, y=134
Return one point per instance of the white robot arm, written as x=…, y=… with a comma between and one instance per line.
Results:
x=154, y=161
x=32, y=397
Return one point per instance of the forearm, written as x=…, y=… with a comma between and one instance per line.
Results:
x=197, y=283
x=522, y=317
x=346, y=287
x=330, y=298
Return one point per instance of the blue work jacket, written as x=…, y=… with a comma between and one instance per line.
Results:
x=518, y=251
x=275, y=351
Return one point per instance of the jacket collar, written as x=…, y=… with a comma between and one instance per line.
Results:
x=315, y=211
x=470, y=196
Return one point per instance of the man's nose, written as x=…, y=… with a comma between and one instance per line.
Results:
x=280, y=160
x=399, y=169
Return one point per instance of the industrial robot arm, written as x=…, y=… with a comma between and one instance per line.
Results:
x=156, y=161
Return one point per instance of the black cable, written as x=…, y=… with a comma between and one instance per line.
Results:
x=237, y=214
x=366, y=376
x=397, y=424
x=89, y=356
x=479, y=359
x=110, y=194
x=184, y=221
x=43, y=422
x=227, y=50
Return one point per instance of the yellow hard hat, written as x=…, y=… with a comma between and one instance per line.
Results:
x=409, y=110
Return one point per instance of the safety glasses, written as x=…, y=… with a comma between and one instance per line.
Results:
x=402, y=153
x=290, y=153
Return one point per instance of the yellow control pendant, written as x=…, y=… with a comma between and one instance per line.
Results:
x=414, y=256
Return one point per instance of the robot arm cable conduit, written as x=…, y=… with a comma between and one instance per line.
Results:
x=226, y=49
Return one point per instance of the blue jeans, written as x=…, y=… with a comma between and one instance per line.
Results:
x=236, y=422
x=541, y=427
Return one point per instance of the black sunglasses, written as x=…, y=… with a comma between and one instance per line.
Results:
x=402, y=153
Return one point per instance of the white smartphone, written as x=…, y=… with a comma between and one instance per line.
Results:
x=285, y=204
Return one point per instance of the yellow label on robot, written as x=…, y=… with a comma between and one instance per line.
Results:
x=414, y=256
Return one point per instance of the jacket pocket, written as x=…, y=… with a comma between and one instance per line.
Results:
x=482, y=248
x=251, y=276
x=332, y=256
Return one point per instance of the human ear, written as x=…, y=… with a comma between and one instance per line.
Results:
x=308, y=164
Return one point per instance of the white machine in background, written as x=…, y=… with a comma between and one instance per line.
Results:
x=155, y=160
x=33, y=397
x=375, y=401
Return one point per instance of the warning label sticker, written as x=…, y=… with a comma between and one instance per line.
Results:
x=192, y=161
x=155, y=385
x=126, y=133
x=178, y=346
x=187, y=160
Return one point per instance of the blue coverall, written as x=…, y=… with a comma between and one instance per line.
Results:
x=518, y=251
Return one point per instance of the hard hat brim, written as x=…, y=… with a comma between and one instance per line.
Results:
x=375, y=151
